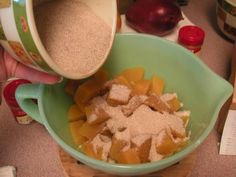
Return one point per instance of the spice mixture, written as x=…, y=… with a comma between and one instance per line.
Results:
x=143, y=124
x=74, y=36
x=127, y=119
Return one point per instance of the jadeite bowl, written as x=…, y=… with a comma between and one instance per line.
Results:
x=201, y=90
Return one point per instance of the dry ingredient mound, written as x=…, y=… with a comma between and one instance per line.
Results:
x=128, y=119
x=143, y=124
x=74, y=36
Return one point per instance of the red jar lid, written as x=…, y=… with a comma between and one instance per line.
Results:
x=191, y=35
x=10, y=89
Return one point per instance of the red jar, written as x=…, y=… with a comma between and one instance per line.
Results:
x=192, y=38
x=9, y=94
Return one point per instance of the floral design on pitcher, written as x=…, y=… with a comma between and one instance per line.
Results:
x=37, y=58
x=24, y=24
x=19, y=51
x=24, y=31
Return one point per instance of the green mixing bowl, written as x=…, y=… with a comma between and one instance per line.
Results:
x=202, y=91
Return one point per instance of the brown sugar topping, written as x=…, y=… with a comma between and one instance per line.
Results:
x=137, y=128
x=74, y=36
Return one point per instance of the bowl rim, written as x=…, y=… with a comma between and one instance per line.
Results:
x=124, y=168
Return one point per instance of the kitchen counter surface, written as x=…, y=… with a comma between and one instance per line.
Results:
x=34, y=153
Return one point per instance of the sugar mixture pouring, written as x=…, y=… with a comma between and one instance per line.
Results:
x=71, y=38
x=77, y=39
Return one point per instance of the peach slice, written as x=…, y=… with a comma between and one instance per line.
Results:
x=185, y=120
x=133, y=104
x=74, y=129
x=122, y=80
x=167, y=146
x=130, y=156
x=144, y=150
x=87, y=90
x=74, y=113
x=95, y=115
x=116, y=147
x=99, y=153
x=182, y=142
x=133, y=74
x=101, y=76
x=90, y=131
x=174, y=104
x=141, y=87
x=89, y=150
x=157, y=104
x=157, y=85
x=80, y=140
x=184, y=115
x=81, y=106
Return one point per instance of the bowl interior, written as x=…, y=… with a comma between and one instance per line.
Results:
x=202, y=92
